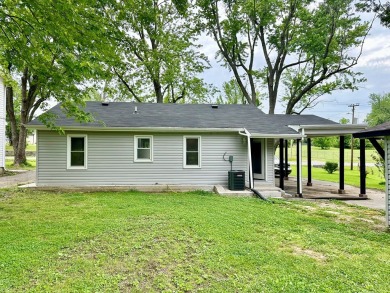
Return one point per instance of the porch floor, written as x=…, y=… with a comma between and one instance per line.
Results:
x=329, y=190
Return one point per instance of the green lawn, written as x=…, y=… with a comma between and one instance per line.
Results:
x=130, y=241
x=29, y=147
x=31, y=164
x=352, y=177
x=332, y=155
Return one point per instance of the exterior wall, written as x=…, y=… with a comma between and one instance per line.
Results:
x=387, y=192
x=2, y=124
x=111, y=160
x=269, y=158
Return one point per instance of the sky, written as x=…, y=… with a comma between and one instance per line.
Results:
x=374, y=64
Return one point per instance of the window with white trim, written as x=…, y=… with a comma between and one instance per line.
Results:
x=192, y=152
x=143, y=148
x=77, y=151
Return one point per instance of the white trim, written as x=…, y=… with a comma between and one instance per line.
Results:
x=250, y=176
x=185, y=152
x=68, y=166
x=136, y=159
x=136, y=129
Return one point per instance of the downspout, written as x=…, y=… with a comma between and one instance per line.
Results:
x=248, y=135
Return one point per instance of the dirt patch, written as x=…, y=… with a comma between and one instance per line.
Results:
x=310, y=253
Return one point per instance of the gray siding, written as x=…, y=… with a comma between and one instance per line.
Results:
x=111, y=160
x=387, y=192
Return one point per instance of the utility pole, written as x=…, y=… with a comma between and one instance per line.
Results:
x=352, y=122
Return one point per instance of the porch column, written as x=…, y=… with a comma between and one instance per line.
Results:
x=281, y=167
x=299, y=168
x=341, y=173
x=286, y=160
x=309, y=183
x=362, y=168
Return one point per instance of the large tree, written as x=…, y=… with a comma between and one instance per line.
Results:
x=41, y=49
x=308, y=48
x=156, y=56
x=380, y=109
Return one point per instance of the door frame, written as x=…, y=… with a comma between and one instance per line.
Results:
x=263, y=142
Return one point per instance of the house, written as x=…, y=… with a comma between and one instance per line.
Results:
x=148, y=144
x=381, y=131
x=2, y=126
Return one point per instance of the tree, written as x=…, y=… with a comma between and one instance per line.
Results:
x=156, y=56
x=231, y=93
x=380, y=113
x=380, y=109
x=41, y=47
x=303, y=46
x=381, y=9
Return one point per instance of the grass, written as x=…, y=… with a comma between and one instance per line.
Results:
x=29, y=147
x=351, y=177
x=31, y=164
x=131, y=241
x=332, y=154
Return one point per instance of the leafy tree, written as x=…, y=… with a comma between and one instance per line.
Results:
x=380, y=113
x=323, y=142
x=380, y=109
x=41, y=58
x=382, y=9
x=231, y=93
x=156, y=57
x=306, y=47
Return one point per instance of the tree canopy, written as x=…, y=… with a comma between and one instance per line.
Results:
x=305, y=48
x=380, y=109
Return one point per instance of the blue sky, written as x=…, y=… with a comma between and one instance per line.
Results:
x=374, y=64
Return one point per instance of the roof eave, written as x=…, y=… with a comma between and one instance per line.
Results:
x=136, y=129
x=321, y=130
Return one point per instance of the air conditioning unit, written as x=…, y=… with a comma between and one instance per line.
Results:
x=236, y=180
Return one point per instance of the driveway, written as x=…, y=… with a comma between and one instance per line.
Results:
x=20, y=178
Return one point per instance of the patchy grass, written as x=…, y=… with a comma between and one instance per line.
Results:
x=352, y=177
x=29, y=147
x=31, y=164
x=131, y=241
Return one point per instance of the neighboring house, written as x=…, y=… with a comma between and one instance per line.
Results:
x=381, y=131
x=166, y=144
x=2, y=125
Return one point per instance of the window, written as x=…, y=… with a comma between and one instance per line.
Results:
x=77, y=152
x=143, y=148
x=192, y=152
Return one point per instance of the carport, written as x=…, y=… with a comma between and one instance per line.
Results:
x=375, y=134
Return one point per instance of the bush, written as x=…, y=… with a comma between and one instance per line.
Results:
x=330, y=167
x=323, y=142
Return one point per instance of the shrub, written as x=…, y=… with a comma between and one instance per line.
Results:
x=330, y=167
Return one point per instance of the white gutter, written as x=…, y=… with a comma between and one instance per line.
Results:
x=248, y=135
x=135, y=129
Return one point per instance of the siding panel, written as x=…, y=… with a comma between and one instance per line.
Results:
x=111, y=160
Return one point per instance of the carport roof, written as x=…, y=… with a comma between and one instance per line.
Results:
x=376, y=131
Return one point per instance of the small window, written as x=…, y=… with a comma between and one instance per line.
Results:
x=192, y=152
x=77, y=152
x=143, y=148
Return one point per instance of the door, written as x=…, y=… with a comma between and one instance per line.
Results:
x=258, y=155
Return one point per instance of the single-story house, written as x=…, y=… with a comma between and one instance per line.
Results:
x=381, y=131
x=168, y=144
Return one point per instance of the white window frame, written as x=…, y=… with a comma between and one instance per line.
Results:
x=185, y=152
x=69, y=141
x=136, y=159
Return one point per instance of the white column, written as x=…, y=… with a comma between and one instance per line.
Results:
x=2, y=125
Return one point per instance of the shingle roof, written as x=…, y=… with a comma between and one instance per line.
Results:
x=379, y=130
x=197, y=116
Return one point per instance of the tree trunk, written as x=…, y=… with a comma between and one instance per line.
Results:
x=12, y=118
x=158, y=91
